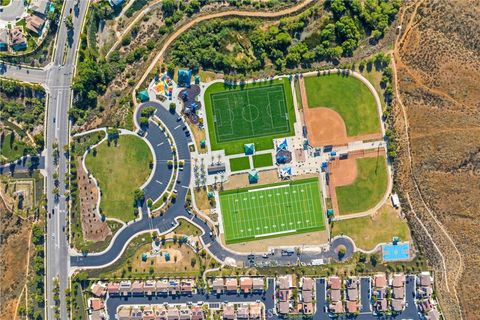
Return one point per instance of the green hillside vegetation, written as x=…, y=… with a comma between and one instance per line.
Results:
x=242, y=45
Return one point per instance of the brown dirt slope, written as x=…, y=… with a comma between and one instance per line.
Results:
x=14, y=233
x=438, y=74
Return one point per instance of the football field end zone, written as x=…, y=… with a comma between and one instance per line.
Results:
x=288, y=217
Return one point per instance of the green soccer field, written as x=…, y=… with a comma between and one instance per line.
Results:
x=255, y=113
x=272, y=210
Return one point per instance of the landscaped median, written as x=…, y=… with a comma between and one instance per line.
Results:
x=120, y=167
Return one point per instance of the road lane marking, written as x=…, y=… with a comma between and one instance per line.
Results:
x=158, y=145
x=177, y=127
x=159, y=181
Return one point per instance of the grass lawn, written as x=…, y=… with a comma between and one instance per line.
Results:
x=271, y=210
x=12, y=147
x=367, y=232
x=4, y=2
x=367, y=189
x=237, y=164
x=120, y=170
x=256, y=112
x=298, y=96
x=349, y=97
x=262, y=160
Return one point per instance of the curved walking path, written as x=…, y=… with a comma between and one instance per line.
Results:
x=378, y=103
x=169, y=220
x=223, y=14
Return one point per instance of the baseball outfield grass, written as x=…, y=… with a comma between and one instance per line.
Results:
x=349, y=97
x=368, y=188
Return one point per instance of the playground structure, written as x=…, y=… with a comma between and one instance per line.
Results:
x=163, y=85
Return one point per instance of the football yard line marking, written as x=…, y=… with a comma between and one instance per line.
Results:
x=269, y=188
x=274, y=233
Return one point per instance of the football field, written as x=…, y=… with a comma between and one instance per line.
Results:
x=253, y=112
x=272, y=210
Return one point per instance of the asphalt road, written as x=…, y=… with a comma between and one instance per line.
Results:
x=17, y=72
x=58, y=82
x=168, y=221
x=267, y=298
x=13, y=10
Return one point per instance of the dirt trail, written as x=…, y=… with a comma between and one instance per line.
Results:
x=451, y=263
x=223, y=14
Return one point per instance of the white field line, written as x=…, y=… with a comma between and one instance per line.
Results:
x=270, y=188
x=274, y=233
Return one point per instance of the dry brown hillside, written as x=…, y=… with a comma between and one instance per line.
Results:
x=438, y=80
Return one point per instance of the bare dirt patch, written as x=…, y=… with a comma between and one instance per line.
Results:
x=325, y=126
x=93, y=228
x=13, y=243
x=437, y=66
x=311, y=238
x=265, y=177
x=344, y=172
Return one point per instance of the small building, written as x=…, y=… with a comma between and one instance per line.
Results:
x=124, y=313
x=253, y=176
x=149, y=287
x=148, y=313
x=184, y=78
x=395, y=201
x=243, y=312
x=137, y=287
x=116, y=3
x=249, y=149
x=173, y=314
x=125, y=287
x=215, y=168
x=258, y=284
x=113, y=288
x=246, y=284
x=218, y=285
x=98, y=289
x=255, y=311
x=197, y=313
x=186, y=286
x=3, y=39
x=96, y=304
x=283, y=307
x=162, y=287
x=352, y=306
x=397, y=305
x=228, y=312
x=160, y=312
x=336, y=307
x=35, y=23
x=231, y=284
x=40, y=7
x=143, y=96
x=17, y=39
x=185, y=313
x=136, y=313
